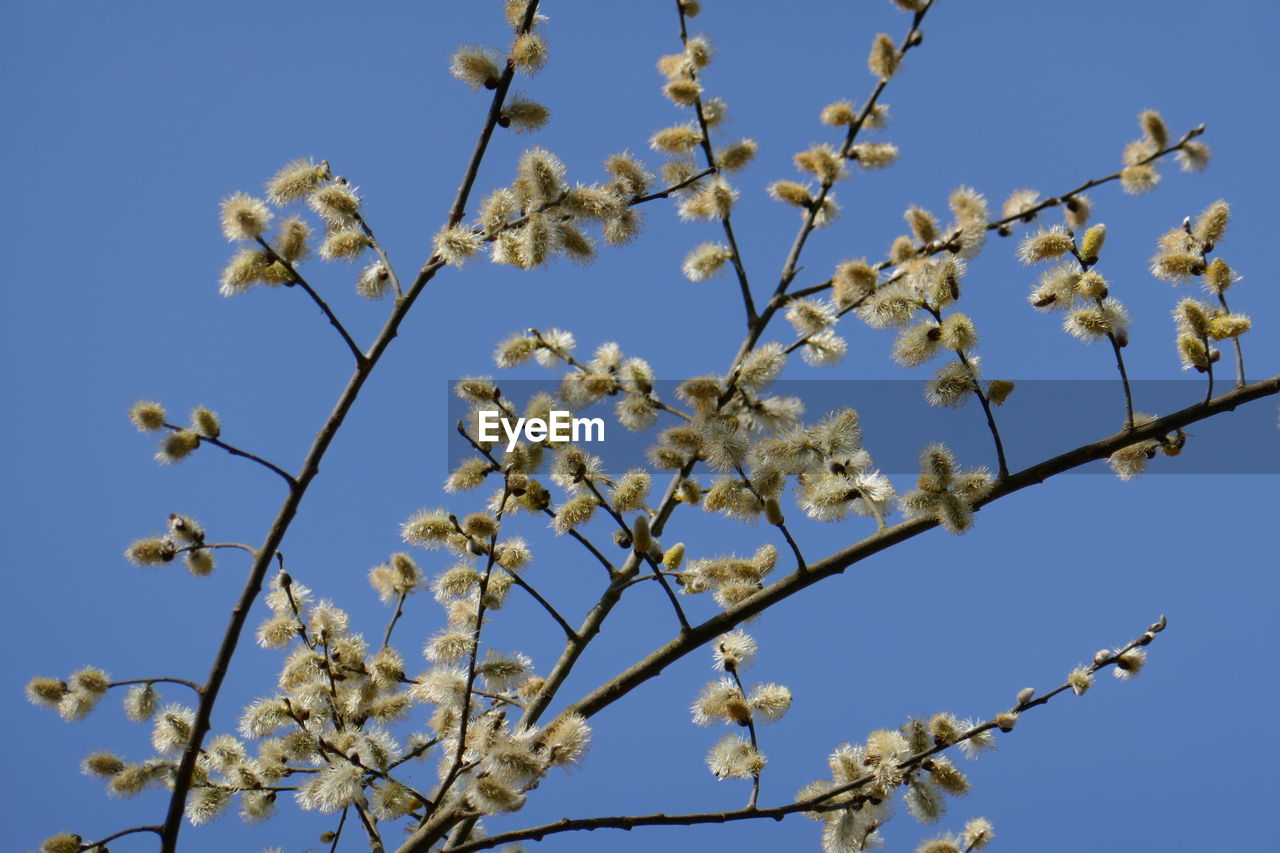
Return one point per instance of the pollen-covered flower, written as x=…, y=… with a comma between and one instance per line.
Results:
x=574, y=513
x=173, y=727
x=246, y=267
x=1139, y=179
x=374, y=281
x=824, y=348
x=978, y=832
x=338, y=204
x=678, y=140
x=295, y=180
x=1080, y=680
x=1211, y=224
x=1193, y=156
x=683, y=91
x=712, y=202
x=1046, y=245
x=791, y=192
x=706, y=260
x=244, y=217
x=944, y=492
x=821, y=161
x=147, y=415
x=874, y=155
x=734, y=652
x=733, y=757
x=477, y=66
x=1098, y=321
x=839, y=114
x=952, y=385
x=1154, y=130
x=1129, y=664
x=1019, y=204
x=428, y=528
x=852, y=282
x=345, y=244
x=456, y=245
x=529, y=53
x=736, y=155
x=883, y=60
x=1076, y=210
x=525, y=115
x=769, y=702
x=809, y=316
x=177, y=445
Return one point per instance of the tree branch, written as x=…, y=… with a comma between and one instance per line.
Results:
x=317, y=299
x=708, y=152
x=311, y=468
x=649, y=667
x=816, y=804
x=235, y=451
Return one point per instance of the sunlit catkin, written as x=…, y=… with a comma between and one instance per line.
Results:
x=883, y=60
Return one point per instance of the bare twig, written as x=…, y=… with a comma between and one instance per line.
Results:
x=184, y=682
x=296, y=278
x=708, y=152
x=395, y=617
x=133, y=830
x=235, y=451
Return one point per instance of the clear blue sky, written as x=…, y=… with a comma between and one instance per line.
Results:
x=129, y=122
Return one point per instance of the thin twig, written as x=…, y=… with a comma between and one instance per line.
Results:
x=382, y=254
x=674, y=188
x=1222, y=300
x=751, y=732
x=184, y=682
x=395, y=617
x=235, y=451
x=781, y=525
x=546, y=605
x=1085, y=266
x=133, y=830
x=708, y=152
x=978, y=392
x=296, y=277
x=337, y=833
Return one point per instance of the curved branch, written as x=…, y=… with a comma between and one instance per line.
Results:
x=184, y=682
x=235, y=451
x=834, y=564
x=360, y=357
x=823, y=802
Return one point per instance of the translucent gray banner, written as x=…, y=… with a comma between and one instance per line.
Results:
x=1040, y=419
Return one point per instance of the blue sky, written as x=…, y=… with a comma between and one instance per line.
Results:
x=130, y=122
